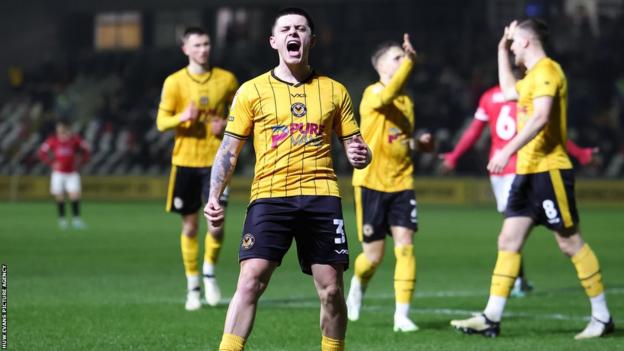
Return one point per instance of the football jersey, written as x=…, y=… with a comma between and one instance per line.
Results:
x=291, y=126
x=212, y=91
x=546, y=151
x=64, y=152
x=387, y=122
x=500, y=115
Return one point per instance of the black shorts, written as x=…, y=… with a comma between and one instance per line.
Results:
x=189, y=187
x=546, y=197
x=377, y=211
x=315, y=222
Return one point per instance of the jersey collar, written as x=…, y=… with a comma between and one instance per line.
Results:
x=307, y=79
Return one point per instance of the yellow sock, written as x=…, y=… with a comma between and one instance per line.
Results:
x=329, y=344
x=190, y=248
x=588, y=271
x=404, y=273
x=212, y=249
x=364, y=269
x=505, y=273
x=231, y=342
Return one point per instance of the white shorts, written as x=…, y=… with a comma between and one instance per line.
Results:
x=501, y=184
x=61, y=183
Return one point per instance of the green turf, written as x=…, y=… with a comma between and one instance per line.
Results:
x=120, y=285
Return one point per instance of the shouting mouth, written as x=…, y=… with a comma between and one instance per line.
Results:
x=293, y=47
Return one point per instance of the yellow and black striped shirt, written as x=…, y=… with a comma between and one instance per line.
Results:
x=212, y=92
x=547, y=150
x=292, y=126
x=387, y=121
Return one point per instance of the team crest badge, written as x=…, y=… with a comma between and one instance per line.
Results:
x=248, y=241
x=298, y=109
x=203, y=101
x=367, y=230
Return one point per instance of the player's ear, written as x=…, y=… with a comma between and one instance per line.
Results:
x=272, y=42
x=183, y=47
x=313, y=41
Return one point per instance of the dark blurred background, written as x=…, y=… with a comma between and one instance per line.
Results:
x=101, y=64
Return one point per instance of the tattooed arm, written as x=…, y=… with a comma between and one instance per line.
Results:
x=222, y=169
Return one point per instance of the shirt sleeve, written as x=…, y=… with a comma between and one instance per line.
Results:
x=241, y=117
x=231, y=91
x=345, y=125
x=481, y=113
x=167, y=119
x=43, y=152
x=384, y=96
x=83, y=146
x=546, y=82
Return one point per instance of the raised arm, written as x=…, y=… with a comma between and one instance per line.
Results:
x=506, y=78
x=396, y=84
x=222, y=169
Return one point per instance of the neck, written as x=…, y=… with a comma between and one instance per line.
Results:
x=385, y=79
x=533, y=58
x=196, y=68
x=295, y=73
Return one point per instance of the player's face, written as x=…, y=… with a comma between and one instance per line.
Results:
x=62, y=132
x=197, y=48
x=292, y=38
x=390, y=61
x=518, y=46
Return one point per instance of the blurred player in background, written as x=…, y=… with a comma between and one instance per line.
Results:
x=291, y=112
x=385, y=202
x=542, y=192
x=65, y=153
x=500, y=116
x=193, y=103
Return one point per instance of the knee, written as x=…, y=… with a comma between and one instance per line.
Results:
x=216, y=232
x=510, y=241
x=189, y=229
x=250, y=287
x=569, y=247
x=375, y=259
x=331, y=295
x=505, y=242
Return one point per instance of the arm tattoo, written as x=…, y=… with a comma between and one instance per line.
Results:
x=223, y=166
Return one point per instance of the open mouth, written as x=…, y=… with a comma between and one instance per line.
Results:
x=293, y=46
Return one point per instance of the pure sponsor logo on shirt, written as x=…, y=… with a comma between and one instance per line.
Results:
x=299, y=133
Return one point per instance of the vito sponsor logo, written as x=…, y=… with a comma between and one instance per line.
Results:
x=299, y=133
x=342, y=252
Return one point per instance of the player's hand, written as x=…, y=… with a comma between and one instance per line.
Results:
x=190, y=113
x=214, y=213
x=425, y=142
x=56, y=165
x=505, y=41
x=408, y=48
x=498, y=162
x=217, y=126
x=589, y=157
x=358, y=154
x=448, y=164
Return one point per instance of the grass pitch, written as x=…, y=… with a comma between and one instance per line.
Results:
x=119, y=285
